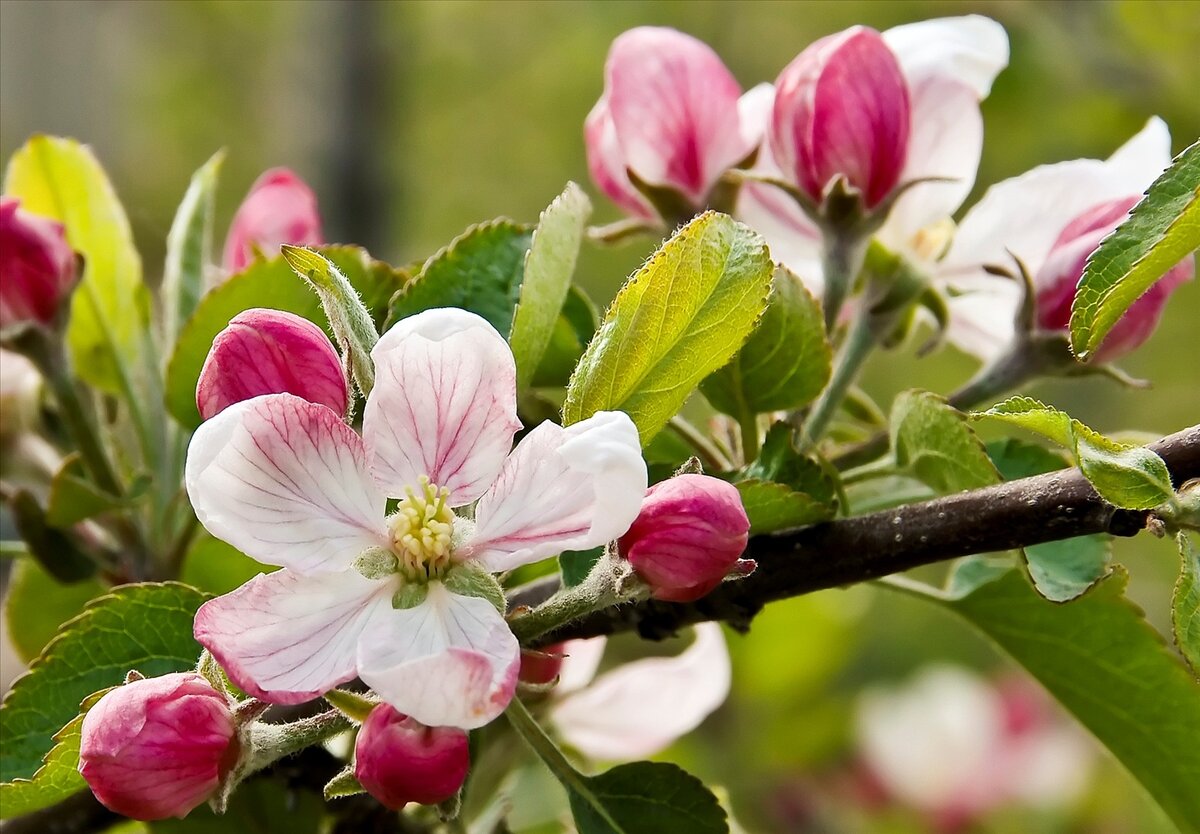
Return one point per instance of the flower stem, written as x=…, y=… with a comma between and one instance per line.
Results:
x=842, y=260
x=750, y=442
x=608, y=584
x=532, y=733
x=705, y=449
x=853, y=352
x=272, y=742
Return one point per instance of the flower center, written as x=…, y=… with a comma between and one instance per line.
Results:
x=421, y=530
x=931, y=242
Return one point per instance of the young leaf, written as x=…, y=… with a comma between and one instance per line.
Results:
x=147, y=627
x=1132, y=477
x=188, y=246
x=73, y=497
x=549, y=265
x=573, y=329
x=779, y=461
x=646, y=798
x=786, y=361
x=1105, y=664
x=56, y=779
x=271, y=284
x=110, y=311
x=772, y=507
x=680, y=317
x=1161, y=230
x=1185, y=604
x=481, y=271
x=932, y=440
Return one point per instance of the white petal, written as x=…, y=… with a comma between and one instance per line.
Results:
x=444, y=404
x=561, y=489
x=971, y=49
x=287, y=638
x=792, y=237
x=581, y=659
x=285, y=481
x=638, y=709
x=983, y=319
x=754, y=113
x=449, y=662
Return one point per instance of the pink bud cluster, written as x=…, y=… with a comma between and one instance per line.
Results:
x=37, y=266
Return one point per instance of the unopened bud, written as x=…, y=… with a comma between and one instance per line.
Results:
x=37, y=266
x=280, y=208
x=541, y=666
x=399, y=760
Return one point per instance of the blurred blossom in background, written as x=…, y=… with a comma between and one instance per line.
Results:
x=412, y=121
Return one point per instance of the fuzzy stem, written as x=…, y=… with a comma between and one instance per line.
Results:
x=853, y=352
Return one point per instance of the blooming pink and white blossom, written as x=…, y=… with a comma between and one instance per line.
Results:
x=1051, y=218
x=37, y=266
x=641, y=707
x=270, y=352
x=687, y=537
x=399, y=760
x=280, y=208
x=386, y=597
x=955, y=746
x=158, y=747
x=947, y=67
x=671, y=113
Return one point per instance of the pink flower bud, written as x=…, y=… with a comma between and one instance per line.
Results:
x=670, y=114
x=1059, y=275
x=158, y=747
x=37, y=266
x=270, y=352
x=842, y=107
x=541, y=666
x=280, y=208
x=687, y=537
x=399, y=760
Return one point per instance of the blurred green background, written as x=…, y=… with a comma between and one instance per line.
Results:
x=414, y=120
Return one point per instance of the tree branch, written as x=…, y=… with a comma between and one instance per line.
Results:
x=1058, y=505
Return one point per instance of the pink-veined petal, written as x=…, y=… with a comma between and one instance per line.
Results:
x=606, y=163
x=754, y=113
x=561, y=489
x=970, y=50
x=449, y=662
x=287, y=638
x=982, y=319
x=674, y=105
x=638, y=709
x=581, y=659
x=285, y=481
x=444, y=404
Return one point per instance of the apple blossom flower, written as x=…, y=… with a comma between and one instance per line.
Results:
x=1050, y=219
x=672, y=114
x=947, y=67
x=641, y=707
x=158, y=747
x=399, y=599
x=955, y=746
x=687, y=537
x=270, y=352
x=280, y=208
x=399, y=760
x=37, y=266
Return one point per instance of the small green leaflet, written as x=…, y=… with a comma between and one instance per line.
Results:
x=1161, y=230
x=682, y=316
x=147, y=627
x=1132, y=477
x=932, y=441
x=188, y=245
x=1185, y=603
x=783, y=489
x=772, y=507
x=645, y=798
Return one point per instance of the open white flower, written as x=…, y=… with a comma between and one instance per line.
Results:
x=391, y=598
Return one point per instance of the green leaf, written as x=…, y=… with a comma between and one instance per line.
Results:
x=784, y=364
x=1062, y=570
x=1016, y=459
x=188, y=245
x=646, y=798
x=1132, y=477
x=932, y=441
x=110, y=310
x=147, y=627
x=271, y=284
x=574, y=328
x=575, y=565
x=258, y=806
x=37, y=605
x=549, y=265
x=679, y=318
x=481, y=271
x=1185, y=604
x=1161, y=230
x=1104, y=663
x=73, y=497
x=216, y=567
x=54, y=781
x=781, y=462
x=55, y=550
x=772, y=507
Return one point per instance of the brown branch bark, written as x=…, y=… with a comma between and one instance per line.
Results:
x=1058, y=505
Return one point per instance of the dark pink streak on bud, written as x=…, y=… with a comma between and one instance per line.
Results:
x=1058, y=278
x=399, y=760
x=687, y=537
x=158, y=747
x=37, y=266
x=842, y=107
x=270, y=352
x=280, y=208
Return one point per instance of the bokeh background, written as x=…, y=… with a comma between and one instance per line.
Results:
x=414, y=120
